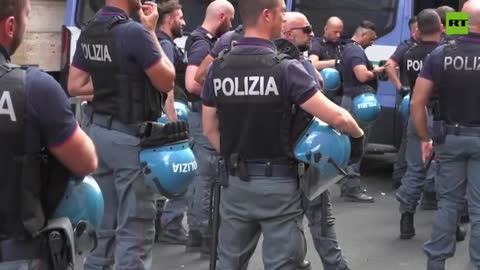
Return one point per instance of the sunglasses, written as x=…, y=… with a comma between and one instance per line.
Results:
x=306, y=29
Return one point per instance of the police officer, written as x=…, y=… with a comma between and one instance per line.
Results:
x=298, y=30
x=126, y=79
x=35, y=115
x=226, y=41
x=442, y=12
x=251, y=134
x=450, y=72
x=357, y=71
x=170, y=26
x=401, y=84
x=325, y=51
x=218, y=20
x=416, y=177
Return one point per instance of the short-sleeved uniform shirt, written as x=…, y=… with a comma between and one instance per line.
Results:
x=324, y=49
x=433, y=66
x=200, y=49
x=136, y=49
x=352, y=56
x=400, y=51
x=226, y=41
x=299, y=85
x=49, y=119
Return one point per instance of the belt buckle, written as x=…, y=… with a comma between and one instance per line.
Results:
x=268, y=169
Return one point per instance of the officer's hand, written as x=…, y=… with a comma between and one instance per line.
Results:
x=148, y=14
x=378, y=69
x=427, y=147
x=356, y=152
x=404, y=90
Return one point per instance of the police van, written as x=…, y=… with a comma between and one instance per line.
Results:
x=390, y=16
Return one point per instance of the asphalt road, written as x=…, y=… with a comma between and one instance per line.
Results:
x=368, y=233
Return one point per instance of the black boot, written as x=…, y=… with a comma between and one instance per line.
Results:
x=407, y=230
x=429, y=201
x=304, y=265
x=356, y=194
x=194, y=241
x=460, y=233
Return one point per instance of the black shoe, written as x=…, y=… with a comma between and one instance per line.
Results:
x=194, y=241
x=407, y=230
x=175, y=237
x=356, y=195
x=304, y=265
x=429, y=201
x=460, y=233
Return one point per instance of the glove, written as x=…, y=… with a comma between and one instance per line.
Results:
x=156, y=134
x=404, y=90
x=356, y=152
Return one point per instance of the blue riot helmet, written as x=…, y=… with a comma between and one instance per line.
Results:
x=405, y=107
x=366, y=107
x=83, y=201
x=169, y=169
x=331, y=79
x=318, y=144
x=182, y=111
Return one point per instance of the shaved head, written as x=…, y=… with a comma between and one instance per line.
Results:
x=472, y=7
x=297, y=29
x=294, y=19
x=333, y=29
x=219, y=16
x=218, y=7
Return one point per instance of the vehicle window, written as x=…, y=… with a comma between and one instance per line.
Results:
x=352, y=12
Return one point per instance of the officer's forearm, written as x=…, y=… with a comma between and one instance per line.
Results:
x=202, y=69
x=211, y=126
x=170, y=107
x=391, y=70
x=324, y=64
x=419, y=117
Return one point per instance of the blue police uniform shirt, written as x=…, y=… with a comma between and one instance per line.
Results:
x=433, y=67
x=299, y=87
x=311, y=70
x=224, y=42
x=167, y=44
x=402, y=48
x=199, y=49
x=319, y=50
x=135, y=47
x=48, y=112
x=49, y=119
x=354, y=55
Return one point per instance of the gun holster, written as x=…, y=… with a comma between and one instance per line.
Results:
x=59, y=250
x=222, y=173
x=439, y=131
x=238, y=166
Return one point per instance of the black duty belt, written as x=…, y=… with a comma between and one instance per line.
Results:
x=15, y=250
x=268, y=170
x=459, y=130
x=108, y=122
